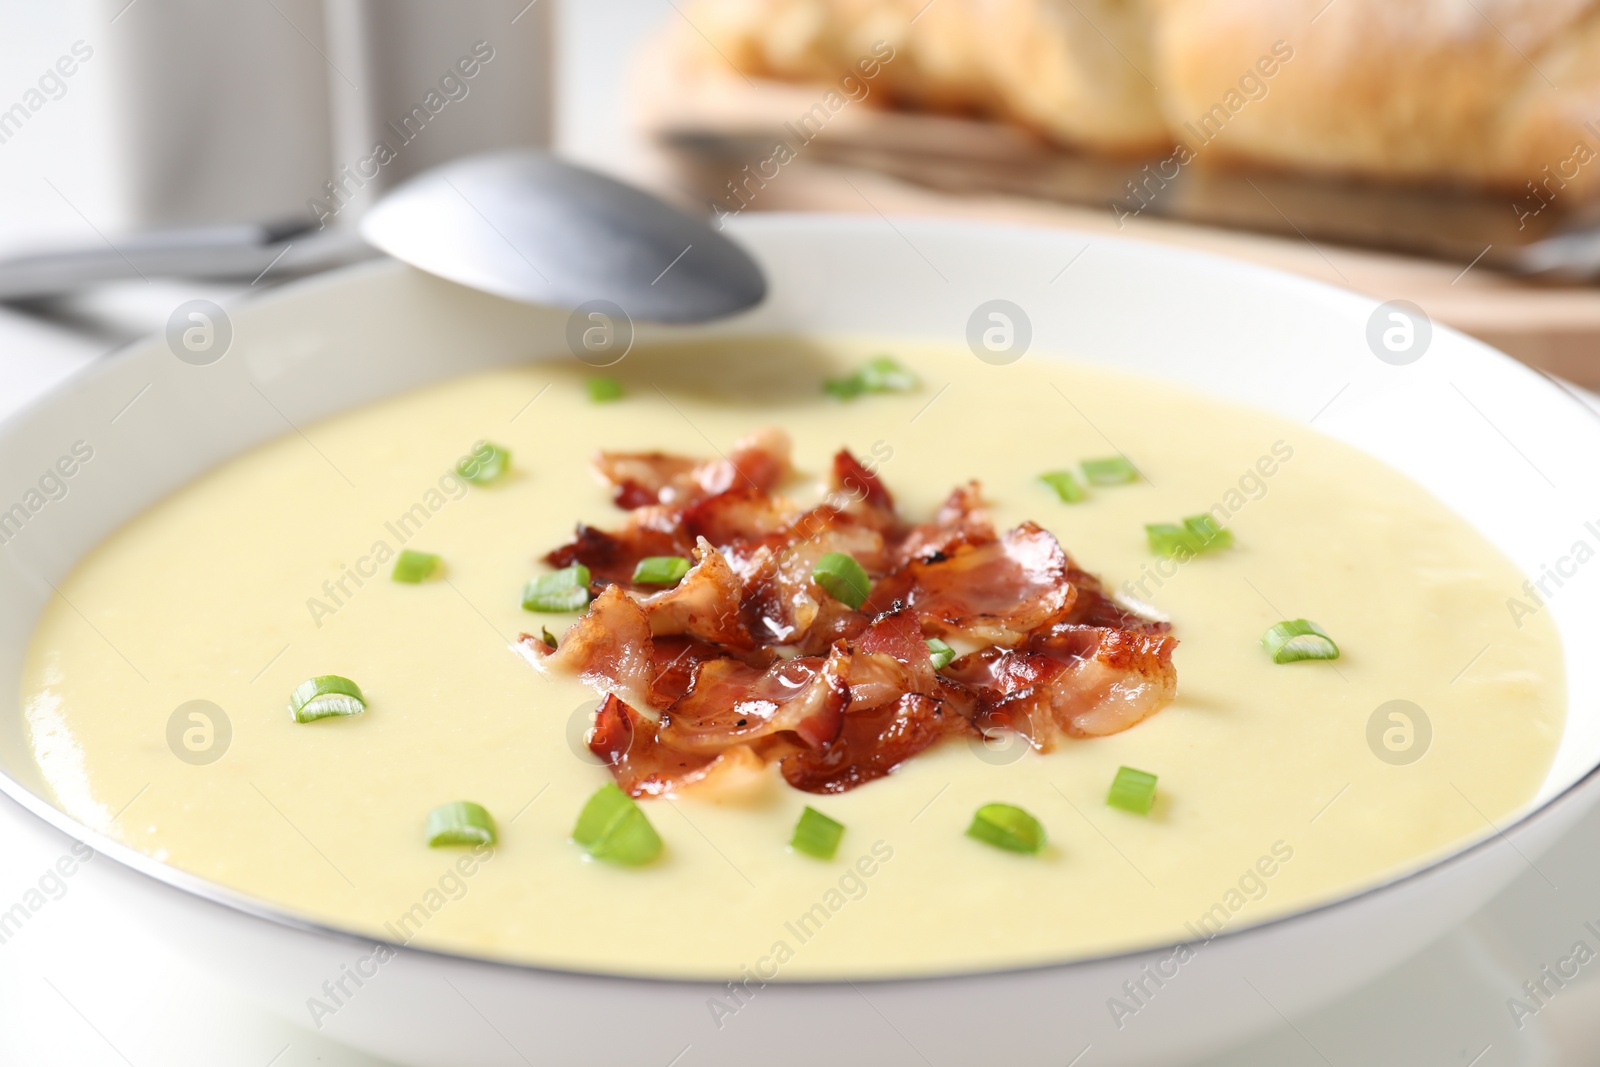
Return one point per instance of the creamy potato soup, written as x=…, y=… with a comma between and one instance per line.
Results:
x=1279, y=785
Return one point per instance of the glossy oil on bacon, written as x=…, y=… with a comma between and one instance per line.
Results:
x=644, y=765
x=748, y=662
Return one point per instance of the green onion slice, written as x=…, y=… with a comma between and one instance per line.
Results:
x=883, y=375
x=604, y=390
x=1206, y=533
x=460, y=823
x=488, y=463
x=611, y=827
x=844, y=579
x=1299, y=639
x=564, y=590
x=1197, y=534
x=413, y=567
x=844, y=388
x=1113, y=470
x=880, y=375
x=816, y=834
x=547, y=637
x=1132, y=790
x=1065, y=485
x=1008, y=827
x=942, y=653
x=1168, y=540
x=660, y=570
x=324, y=697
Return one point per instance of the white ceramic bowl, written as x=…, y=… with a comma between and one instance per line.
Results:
x=1506, y=448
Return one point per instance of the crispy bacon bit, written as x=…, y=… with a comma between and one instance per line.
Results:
x=891, y=658
x=858, y=492
x=730, y=702
x=994, y=593
x=961, y=519
x=759, y=461
x=611, y=558
x=783, y=603
x=1094, y=607
x=850, y=477
x=609, y=649
x=873, y=743
x=629, y=743
x=740, y=514
x=1114, y=679
x=705, y=604
x=1081, y=681
x=1054, y=654
x=673, y=663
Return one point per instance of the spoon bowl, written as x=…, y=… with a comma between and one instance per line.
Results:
x=528, y=227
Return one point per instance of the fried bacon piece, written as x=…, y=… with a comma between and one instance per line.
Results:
x=705, y=604
x=759, y=461
x=611, y=558
x=961, y=519
x=644, y=766
x=995, y=592
x=783, y=603
x=1094, y=607
x=1049, y=652
x=873, y=743
x=1114, y=678
x=890, y=658
x=730, y=702
x=609, y=648
x=673, y=661
x=739, y=514
x=1080, y=681
x=858, y=483
x=857, y=492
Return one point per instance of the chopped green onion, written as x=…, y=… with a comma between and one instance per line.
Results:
x=488, y=463
x=413, y=567
x=1132, y=790
x=1114, y=470
x=942, y=653
x=611, y=827
x=883, y=375
x=564, y=590
x=1299, y=639
x=1168, y=540
x=604, y=390
x=460, y=823
x=1207, y=534
x=325, y=696
x=844, y=388
x=660, y=570
x=1065, y=485
x=844, y=579
x=1007, y=827
x=547, y=637
x=1199, y=533
x=880, y=375
x=816, y=834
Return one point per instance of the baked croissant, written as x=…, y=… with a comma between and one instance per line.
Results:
x=1491, y=93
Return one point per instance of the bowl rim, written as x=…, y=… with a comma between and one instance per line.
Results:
x=258, y=909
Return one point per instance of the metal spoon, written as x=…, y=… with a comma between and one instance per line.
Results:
x=529, y=227
x=522, y=225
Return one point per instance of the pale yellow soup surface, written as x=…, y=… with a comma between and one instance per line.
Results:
x=1271, y=797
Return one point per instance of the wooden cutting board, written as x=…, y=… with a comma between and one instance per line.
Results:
x=706, y=122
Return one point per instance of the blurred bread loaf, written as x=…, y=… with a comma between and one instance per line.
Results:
x=1495, y=93
x=1041, y=63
